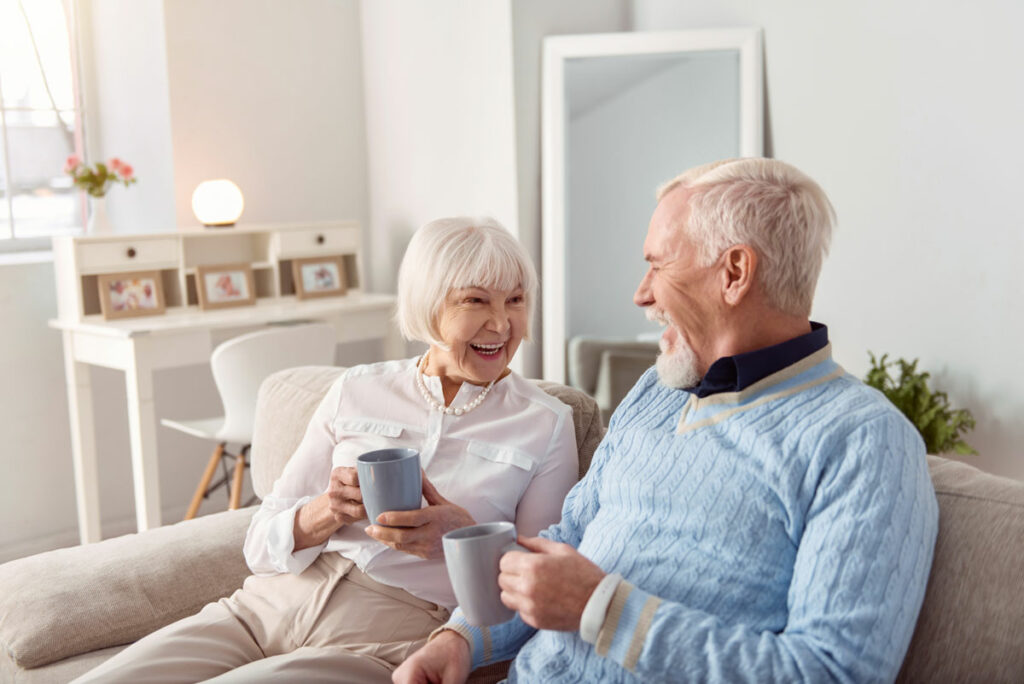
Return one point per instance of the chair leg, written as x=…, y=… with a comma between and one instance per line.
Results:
x=211, y=467
x=236, y=485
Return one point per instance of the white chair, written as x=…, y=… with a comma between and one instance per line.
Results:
x=239, y=367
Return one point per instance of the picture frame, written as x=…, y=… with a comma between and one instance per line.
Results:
x=319, y=277
x=131, y=294
x=222, y=286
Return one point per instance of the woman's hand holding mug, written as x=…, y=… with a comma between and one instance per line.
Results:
x=340, y=505
x=419, y=532
x=345, y=500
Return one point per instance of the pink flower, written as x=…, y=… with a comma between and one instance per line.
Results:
x=91, y=180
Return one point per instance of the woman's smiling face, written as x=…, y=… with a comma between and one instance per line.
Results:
x=482, y=327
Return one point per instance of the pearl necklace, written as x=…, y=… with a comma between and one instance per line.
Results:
x=436, y=405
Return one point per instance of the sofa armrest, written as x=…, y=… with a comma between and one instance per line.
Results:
x=971, y=625
x=61, y=603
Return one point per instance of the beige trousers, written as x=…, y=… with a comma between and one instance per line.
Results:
x=331, y=623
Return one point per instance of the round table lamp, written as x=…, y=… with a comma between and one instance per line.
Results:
x=217, y=203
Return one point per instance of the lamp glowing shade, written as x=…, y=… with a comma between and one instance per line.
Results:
x=217, y=202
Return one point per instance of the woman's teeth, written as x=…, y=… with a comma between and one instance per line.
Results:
x=487, y=349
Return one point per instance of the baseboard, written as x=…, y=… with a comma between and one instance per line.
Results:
x=69, y=537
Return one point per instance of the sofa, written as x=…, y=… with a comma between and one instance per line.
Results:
x=64, y=611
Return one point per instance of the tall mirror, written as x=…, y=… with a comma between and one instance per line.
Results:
x=622, y=113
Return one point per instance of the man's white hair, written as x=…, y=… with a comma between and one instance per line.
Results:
x=771, y=206
x=453, y=253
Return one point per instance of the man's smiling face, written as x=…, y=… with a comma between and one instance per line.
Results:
x=679, y=292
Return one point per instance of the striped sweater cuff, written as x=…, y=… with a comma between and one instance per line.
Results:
x=479, y=638
x=624, y=631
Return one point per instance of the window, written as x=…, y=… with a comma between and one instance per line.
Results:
x=39, y=123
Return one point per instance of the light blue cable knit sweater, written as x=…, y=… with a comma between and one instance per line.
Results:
x=779, y=534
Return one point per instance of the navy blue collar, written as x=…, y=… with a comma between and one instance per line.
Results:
x=736, y=373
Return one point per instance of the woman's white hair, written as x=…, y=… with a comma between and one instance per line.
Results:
x=771, y=206
x=453, y=253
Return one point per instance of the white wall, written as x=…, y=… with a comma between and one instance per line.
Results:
x=532, y=20
x=262, y=92
x=440, y=119
x=124, y=89
x=909, y=115
x=453, y=116
x=268, y=94
x=36, y=487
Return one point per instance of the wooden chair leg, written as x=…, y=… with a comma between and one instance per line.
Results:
x=236, y=484
x=204, y=483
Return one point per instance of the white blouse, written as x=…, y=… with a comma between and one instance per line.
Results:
x=512, y=458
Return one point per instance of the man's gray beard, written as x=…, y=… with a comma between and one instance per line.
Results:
x=678, y=368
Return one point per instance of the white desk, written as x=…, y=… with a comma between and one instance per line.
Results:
x=139, y=346
x=184, y=335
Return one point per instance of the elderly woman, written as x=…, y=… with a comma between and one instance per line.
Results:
x=336, y=597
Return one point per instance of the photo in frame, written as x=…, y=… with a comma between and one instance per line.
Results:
x=125, y=295
x=220, y=286
x=319, y=277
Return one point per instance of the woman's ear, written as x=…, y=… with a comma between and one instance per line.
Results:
x=740, y=265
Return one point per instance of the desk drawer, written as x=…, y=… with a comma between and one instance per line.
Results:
x=127, y=255
x=301, y=243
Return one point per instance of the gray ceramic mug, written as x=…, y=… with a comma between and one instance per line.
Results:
x=390, y=480
x=472, y=555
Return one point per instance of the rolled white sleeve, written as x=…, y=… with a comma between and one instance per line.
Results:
x=270, y=541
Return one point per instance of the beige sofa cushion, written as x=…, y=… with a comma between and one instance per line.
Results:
x=60, y=672
x=288, y=399
x=286, y=402
x=971, y=627
x=70, y=601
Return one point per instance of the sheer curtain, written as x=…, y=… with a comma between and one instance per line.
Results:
x=40, y=122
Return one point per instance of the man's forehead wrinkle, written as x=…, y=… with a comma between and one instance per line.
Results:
x=666, y=248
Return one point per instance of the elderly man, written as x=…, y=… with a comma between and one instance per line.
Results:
x=754, y=512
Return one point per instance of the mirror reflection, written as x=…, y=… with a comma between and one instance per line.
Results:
x=619, y=145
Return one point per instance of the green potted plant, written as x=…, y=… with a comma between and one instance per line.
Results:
x=940, y=425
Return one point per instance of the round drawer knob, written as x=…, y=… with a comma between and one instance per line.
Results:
x=131, y=252
x=319, y=239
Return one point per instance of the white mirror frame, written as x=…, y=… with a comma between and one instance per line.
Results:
x=558, y=49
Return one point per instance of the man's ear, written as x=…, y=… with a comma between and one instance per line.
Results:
x=739, y=266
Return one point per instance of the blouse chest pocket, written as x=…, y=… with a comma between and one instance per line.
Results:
x=491, y=479
x=358, y=436
x=502, y=455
